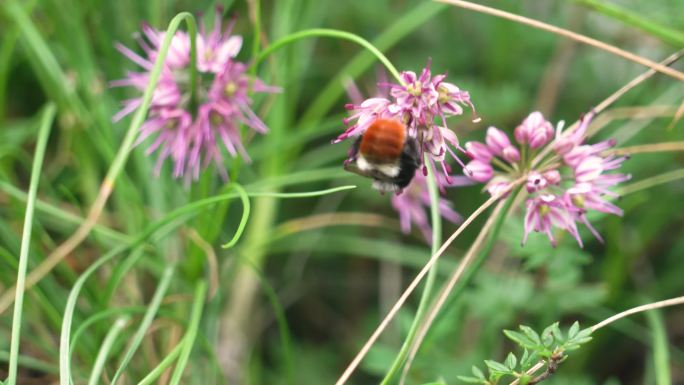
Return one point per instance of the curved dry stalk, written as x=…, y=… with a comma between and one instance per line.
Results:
x=65, y=248
x=569, y=34
x=639, y=309
x=448, y=287
x=608, y=101
x=416, y=281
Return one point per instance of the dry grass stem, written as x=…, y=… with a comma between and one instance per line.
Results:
x=212, y=261
x=655, y=147
x=416, y=281
x=447, y=288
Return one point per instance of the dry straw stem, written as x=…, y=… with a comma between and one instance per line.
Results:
x=642, y=148
x=448, y=287
x=416, y=281
x=632, y=112
x=569, y=34
x=610, y=320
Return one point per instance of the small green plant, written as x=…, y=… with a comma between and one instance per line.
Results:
x=547, y=350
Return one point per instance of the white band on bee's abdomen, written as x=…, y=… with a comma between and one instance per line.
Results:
x=389, y=169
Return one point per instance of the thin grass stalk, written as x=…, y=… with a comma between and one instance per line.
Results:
x=429, y=281
x=334, y=33
x=412, y=286
x=43, y=134
x=569, y=34
x=120, y=159
x=107, y=344
x=191, y=335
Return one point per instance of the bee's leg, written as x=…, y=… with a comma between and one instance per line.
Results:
x=353, y=151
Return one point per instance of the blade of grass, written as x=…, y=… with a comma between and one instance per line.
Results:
x=107, y=343
x=666, y=34
x=163, y=365
x=191, y=335
x=569, y=34
x=43, y=134
x=661, y=355
x=151, y=312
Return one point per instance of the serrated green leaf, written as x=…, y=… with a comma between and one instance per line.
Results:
x=511, y=361
x=477, y=372
x=470, y=380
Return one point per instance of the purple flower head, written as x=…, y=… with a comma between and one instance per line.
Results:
x=423, y=103
x=414, y=203
x=192, y=136
x=561, y=187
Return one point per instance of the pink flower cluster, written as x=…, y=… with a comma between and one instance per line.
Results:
x=191, y=135
x=564, y=187
x=422, y=103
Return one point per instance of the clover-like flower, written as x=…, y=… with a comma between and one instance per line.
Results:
x=421, y=102
x=564, y=186
x=193, y=135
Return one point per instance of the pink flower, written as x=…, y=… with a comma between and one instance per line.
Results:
x=546, y=211
x=414, y=203
x=561, y=193
x=418, y=102
x=193, y=135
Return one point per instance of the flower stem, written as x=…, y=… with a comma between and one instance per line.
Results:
x=323, y=32
x=429, y=281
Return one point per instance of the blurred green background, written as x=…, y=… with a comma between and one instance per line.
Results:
x=324, y=283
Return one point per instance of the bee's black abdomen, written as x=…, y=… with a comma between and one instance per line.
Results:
x=409, y=161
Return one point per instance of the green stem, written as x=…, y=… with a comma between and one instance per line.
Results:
x=140, y=114
x=165, y=363
x=429, y=281
x=661, y=356
x=105, y=348
x=191, y=335
x=43, y=133
x=256, y=44
x=323, y=32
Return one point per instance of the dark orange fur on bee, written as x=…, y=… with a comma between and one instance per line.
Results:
x=383, y=141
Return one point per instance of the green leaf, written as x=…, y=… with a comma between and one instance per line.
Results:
x=574, y=329
x=520, y=339
x=531, y=334
x=511, y=361
x=497, y=367
x=471, y=380
x=477, y=372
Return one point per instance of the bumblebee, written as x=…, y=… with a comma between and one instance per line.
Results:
x=386, y=154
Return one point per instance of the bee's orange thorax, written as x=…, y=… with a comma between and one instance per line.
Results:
x=383, y=141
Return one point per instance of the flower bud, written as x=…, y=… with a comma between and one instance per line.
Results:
x=497, y=140
x=478, y=151
x=534, y=131
x=479, y=171
x=511, y=154
x=552, y=177
x=535, y=182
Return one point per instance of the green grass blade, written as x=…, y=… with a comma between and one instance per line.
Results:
x=191, y=335
x=101, y=359
x=43, y=133
x=152, y=309
x=659, y=344
x=666, y=34
x=165, y=363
